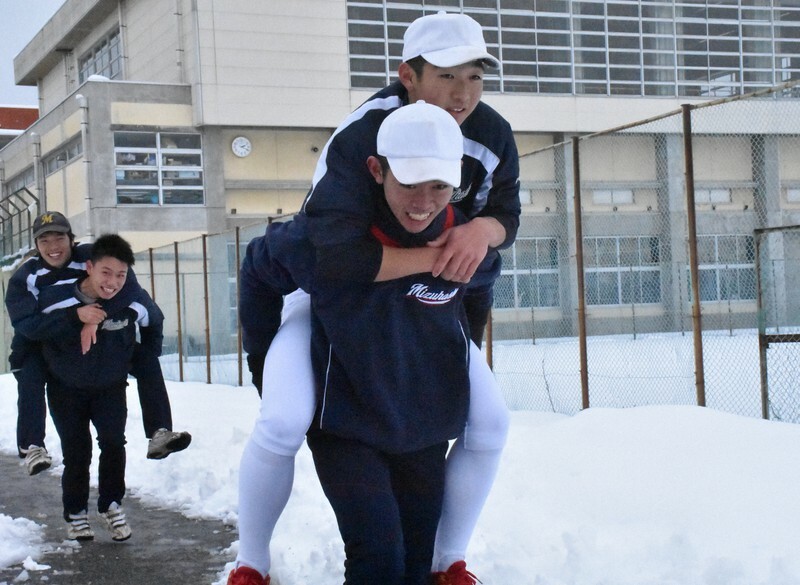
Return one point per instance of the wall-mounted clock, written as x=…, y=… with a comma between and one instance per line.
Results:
x=241, y=146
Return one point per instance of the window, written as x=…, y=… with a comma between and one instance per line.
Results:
x=529, y=277
x=59, y=158
x=712, y=196
x=612, y=196
x=606, y=47
x=105, y=58
x=726, y=268
x=158, y=168
x=21, y=181
x=622, y=270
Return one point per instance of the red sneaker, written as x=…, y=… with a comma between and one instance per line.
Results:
x=246, y=576
x=457, y=574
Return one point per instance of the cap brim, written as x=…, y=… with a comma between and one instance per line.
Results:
x=51, y=228
x=412, y=171
x=459, y=56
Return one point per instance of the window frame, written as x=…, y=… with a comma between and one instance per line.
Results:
x=609, y=271
x=104, y=58
x=608, y=47
x=543, y=273
x=151, y=163
x=62, y=156
x=718, y=272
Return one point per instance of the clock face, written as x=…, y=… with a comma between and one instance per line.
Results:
x=241, y=146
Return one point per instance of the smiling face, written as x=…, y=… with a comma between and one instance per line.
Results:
x=106, y=277
x=414, y=206
x=456, y=89
x=55, y=248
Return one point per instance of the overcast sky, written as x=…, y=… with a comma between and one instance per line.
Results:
x=20, y=20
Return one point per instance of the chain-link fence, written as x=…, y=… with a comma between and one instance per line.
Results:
x=658, y=303
x=195, y=283
x=778, y=271
x=632, y=280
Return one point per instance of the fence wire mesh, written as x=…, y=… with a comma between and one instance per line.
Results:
x=778, y=271
x=641, y=318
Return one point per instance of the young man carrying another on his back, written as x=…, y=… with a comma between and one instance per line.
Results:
x=87, y=381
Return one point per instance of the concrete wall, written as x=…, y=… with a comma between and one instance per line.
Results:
x=258, y=66
x=152, y=43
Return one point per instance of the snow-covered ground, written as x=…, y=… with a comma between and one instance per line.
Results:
x=648, y=495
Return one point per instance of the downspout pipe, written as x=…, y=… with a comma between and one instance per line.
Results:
x=83, y=103
x=38, y=172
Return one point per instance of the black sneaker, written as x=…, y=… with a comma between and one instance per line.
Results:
x=164, y=442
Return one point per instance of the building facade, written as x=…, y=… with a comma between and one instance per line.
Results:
x=166, y=119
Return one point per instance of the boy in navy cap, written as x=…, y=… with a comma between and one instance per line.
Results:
x=59, y=261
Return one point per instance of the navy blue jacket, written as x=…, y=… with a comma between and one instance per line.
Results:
x=390, y=359
x=343, y=193
x=24, y=289
x=275, y=264
x=108, y=361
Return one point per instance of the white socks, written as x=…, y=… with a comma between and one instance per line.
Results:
x=265, y=484
x=469, y=476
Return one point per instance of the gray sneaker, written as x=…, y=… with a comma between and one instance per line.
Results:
x=36, y=459
x=116, y=522
x=164, y=442
x=78, y=527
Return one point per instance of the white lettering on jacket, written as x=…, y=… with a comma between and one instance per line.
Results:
x=459, y=194
x=111, y=325
x=423, y=295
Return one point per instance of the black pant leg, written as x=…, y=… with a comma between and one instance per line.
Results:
x=357, y=482
x=478, y=304
x=31, y=376
x=153, y=397
x=109, y=413
x=418, y=482
x=69, y=408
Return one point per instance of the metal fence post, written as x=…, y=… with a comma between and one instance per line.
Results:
x=178, y=312
x=576, y=182
x=691, y=216
x=205, y=305
x=152, y=274
x=762, y=321
x=237, y=240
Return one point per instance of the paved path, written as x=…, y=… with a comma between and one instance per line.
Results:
x=166, y=548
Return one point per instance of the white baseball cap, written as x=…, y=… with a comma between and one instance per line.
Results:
x=446, y=40
x=422, y=142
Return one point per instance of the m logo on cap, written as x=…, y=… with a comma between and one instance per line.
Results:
x=51, y=221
